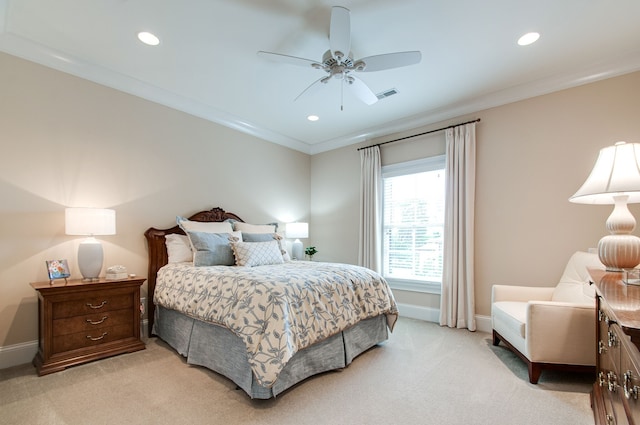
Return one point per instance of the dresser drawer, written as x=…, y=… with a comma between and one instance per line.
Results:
x=91, y=322
x=92, y=338
x=93, y=304
x=630, y=381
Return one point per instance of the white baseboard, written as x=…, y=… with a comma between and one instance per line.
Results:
x=17, y=354
x=413, y=311
x=428, y=314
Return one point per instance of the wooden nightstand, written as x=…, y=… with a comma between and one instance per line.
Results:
x=83, y=321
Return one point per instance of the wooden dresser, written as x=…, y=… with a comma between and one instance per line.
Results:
x=83, y=321
x=615, y=394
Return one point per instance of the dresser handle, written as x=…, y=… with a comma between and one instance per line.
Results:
x=91, y=322
x=612, y=381
x=602, y=347
x=602, y=379
x=98, y=338
x=95, y=307
x=630, y=390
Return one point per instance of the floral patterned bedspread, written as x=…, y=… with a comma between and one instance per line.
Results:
x=276, y=310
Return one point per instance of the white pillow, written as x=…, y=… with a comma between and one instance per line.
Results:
x=250, y=254
x=204, y=226
x=254, y=228
x=178, y=248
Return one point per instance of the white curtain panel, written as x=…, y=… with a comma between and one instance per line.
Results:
x=370, y=189
x=457, y=303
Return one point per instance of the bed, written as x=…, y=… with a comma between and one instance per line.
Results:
x=267, y=327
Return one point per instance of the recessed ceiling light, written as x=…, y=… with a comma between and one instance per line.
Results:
x=528, y=38
x=148, y=38
x=313, y=118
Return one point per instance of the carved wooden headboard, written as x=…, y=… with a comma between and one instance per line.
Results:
x=158, y=250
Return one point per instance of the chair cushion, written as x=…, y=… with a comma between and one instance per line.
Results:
x=512, y=313
x=574, y=284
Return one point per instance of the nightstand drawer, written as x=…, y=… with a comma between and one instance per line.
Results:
x=91, y=322
x=91, y=338
x=94, y=304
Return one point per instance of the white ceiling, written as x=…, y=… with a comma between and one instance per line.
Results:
x=206, y=63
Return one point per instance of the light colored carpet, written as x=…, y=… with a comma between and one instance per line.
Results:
x=424, y=374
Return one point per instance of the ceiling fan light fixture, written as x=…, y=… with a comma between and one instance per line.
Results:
x=148, y=38
x=528, y=38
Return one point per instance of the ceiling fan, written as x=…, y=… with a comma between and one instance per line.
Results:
x=338, y=61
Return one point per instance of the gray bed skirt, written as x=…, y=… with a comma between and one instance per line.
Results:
x=218, y=349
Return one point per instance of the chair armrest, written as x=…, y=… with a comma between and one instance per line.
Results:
x=561, y=332
x=520, y=293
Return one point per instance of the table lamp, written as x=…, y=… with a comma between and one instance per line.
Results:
x=615, y=179
x=90, y=222
x=297, y=231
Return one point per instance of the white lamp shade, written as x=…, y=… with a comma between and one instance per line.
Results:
x=89, y=221
x=297, y=230
x=617, y=171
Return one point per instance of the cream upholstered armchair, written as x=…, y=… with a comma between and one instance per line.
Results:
x=550, y=327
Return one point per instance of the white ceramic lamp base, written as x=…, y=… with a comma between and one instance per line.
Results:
x=90, y=257
x=620, y=250
x=296, y=250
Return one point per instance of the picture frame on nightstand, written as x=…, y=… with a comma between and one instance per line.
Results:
x=57, y=269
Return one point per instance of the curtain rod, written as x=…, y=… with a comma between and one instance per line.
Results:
x=420, y=134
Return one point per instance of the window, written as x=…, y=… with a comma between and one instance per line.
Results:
x=413, y=224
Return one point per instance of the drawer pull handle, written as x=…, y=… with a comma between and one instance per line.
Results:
x=91, y=322
x=97, y=338
x=612, y=381
x=602, y=379
x=602, y=347
x=630, y=390
x=95, y=307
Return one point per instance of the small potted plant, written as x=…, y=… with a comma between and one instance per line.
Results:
x=310, y=251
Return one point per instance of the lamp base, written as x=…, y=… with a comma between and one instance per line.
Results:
x=296, y=250
x=618, y=252
x=90, y=258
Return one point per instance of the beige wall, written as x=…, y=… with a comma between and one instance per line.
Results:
x=531, y=157
x=69, y=142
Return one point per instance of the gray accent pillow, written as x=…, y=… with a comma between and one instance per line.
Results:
x=257, y=237
x=212, y=249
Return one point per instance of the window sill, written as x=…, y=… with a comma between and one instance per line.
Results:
x=415, y=286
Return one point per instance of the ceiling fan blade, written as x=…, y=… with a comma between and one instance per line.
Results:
x=291, y=60
x=391, y=60
x=313, y=88
x=340, y=31
x=361, y=90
